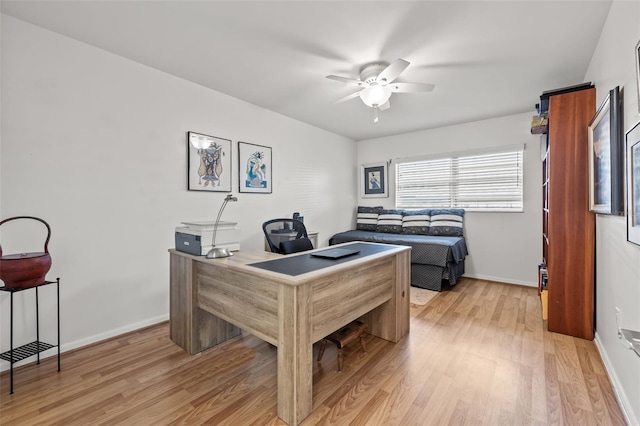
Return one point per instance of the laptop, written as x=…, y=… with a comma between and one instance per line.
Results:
x=335, y=253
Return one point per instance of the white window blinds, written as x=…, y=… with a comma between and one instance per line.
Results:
x=490, y=181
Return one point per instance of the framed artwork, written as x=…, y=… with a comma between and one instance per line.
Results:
x=374, y=180
x=633, y=184
x=209, y=166
x=254, y=168
x=638, y=72
x=606, y=157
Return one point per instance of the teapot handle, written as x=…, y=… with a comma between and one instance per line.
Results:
x=46, y=243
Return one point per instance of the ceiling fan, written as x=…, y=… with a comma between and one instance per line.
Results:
x=377, y=83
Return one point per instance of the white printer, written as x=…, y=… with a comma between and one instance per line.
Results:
x=195, y=237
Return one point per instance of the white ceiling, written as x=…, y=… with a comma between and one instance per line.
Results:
x=487, y=59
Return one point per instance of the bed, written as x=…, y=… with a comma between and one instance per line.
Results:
x=435, y=259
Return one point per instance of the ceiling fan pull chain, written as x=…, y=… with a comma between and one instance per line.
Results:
x=375, y=114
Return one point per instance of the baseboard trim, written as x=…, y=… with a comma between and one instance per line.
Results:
x=501, y=280
x=89, y=341
x=618, y=391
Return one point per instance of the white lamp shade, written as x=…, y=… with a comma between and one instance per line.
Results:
x=375, y=95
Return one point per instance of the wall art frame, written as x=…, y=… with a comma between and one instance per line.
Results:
x=208, y=163
x=255, y=168
x=633, y=184
x=374, y=180
x=638, y=72
x=606, y=157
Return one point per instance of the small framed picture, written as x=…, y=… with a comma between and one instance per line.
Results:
x=209, y=167
x=254, y=168
x=633, y=184
x=374, y=180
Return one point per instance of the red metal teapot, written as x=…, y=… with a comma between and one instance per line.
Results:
x=25, y=270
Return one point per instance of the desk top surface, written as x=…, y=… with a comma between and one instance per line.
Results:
x=305, y=262
x=285, y=269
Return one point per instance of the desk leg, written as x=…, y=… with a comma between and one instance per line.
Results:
x=390, y=321
x=295, y=354
x=190, y=327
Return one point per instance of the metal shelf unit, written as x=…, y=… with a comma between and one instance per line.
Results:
x=14, y=355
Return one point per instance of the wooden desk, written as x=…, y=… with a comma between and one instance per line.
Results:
x=212, y=299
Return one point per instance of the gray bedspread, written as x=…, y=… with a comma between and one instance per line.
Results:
x=425, y=249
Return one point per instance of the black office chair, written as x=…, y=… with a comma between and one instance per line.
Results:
x=286, y=236
x=295, y=246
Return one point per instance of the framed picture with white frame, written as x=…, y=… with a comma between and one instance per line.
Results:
x=374, y=180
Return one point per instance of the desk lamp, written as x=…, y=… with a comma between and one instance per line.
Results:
x=218, y=252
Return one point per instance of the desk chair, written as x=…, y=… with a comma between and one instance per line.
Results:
x=295, y=246
x=283, y=231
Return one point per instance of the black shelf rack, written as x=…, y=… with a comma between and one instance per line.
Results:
x=14, y=355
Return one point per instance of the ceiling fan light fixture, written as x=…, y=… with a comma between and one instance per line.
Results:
x=375, y=95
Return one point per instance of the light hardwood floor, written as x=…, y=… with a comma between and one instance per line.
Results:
x=478, y=354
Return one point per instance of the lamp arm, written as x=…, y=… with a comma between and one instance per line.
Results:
x=215, y=226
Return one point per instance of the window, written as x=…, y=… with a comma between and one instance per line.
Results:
x=488, y=181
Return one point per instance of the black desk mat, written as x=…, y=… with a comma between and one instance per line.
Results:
x=301, y=264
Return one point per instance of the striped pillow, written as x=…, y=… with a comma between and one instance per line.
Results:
x=447, y=222
x=416, y=222
x=367, y=219
x=390, y=221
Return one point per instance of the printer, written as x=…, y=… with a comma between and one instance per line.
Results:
x=196, y=237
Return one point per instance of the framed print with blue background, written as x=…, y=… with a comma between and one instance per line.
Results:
x=374, y=180
x=633, y=184
x=209, y=167
x=254, y=168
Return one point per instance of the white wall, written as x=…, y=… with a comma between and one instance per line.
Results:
x=617, y=261
x=96, y=145
x=502, y=247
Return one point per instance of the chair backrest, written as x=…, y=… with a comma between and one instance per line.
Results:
x=295, y=246
x=279, y=230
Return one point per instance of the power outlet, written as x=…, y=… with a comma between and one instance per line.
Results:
x=619, y=322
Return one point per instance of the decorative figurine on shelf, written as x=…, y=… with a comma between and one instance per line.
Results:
x=25, y=270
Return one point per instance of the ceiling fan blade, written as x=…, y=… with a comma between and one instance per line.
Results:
x=392, y=72
x=348, y=97
x=384, y=106
x=345, y=79
x=411, y=87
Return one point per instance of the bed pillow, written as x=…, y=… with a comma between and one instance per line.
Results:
x=416, y=222
x=447, y=222
x=367, y=218
x=390, y=221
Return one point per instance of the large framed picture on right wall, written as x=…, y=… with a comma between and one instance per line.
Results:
x=606, y=157
x=633, y=184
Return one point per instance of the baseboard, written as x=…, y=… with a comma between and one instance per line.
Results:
x=501, y=280
x=618, y=391
x=90, y=340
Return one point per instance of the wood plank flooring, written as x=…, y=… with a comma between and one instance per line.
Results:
x=478, y=354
